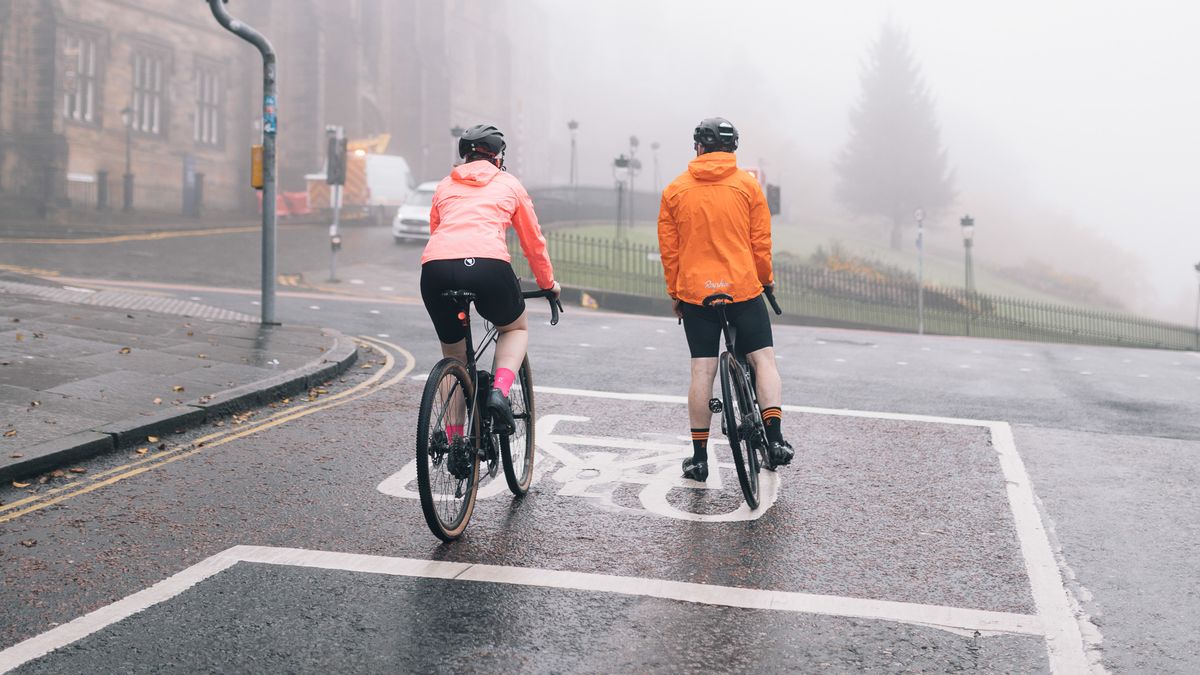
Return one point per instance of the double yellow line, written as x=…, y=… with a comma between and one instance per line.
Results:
x=153, y=461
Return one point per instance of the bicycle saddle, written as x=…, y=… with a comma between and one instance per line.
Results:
x=718, y=299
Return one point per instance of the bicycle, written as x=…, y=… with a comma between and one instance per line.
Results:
x=741, y=421
x=453, y=434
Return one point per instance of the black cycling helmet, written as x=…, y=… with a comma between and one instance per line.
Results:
x=481, y=139
x=716, y=134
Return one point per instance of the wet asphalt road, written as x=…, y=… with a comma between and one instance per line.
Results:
x=909, y=512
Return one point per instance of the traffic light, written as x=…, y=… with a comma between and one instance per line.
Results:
x=335, y=172
x=773, y=203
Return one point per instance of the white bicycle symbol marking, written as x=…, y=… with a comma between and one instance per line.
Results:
x=596, y=475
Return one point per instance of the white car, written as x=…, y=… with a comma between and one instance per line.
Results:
x=412, y=220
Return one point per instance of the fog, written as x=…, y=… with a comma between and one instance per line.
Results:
x=1072, y=127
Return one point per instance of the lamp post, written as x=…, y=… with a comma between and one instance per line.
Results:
x=574, y=127
x=456, y=131
x=127, y=178
x=919, y=214
x=634, y=165
x=968, y=231
x=1198, y=307
x=654, y=148
x=620, y=173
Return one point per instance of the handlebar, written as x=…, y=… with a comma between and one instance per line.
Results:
x=555, y=304
x=769, y=291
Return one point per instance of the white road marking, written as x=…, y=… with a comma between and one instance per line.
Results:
x=421, y=377
x=195, y=298
x=314, y=307
x=386, y=288
x=1064, y=640
x=584, y=344
x=382, y=335
x=357, y=282
x=839, y=360
x=375, y=311
x=650, y=349
x=254, y=302
x=1085, y=372
x=953, y=619
x=902, y=363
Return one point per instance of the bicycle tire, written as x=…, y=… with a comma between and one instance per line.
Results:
x=737, y=407
x=446, y=513
x=518, y=470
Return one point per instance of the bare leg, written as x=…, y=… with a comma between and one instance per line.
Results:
x=456, y=350
x=768, y=383
x=513, y=341
x=703, y=372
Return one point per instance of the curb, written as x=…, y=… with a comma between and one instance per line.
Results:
x=118, y=435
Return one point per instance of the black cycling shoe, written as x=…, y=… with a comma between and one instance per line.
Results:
x=781, y=453
x=695, y=470
x=501, y=411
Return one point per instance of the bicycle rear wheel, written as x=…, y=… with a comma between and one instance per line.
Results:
x=447, y=457
x=517, y=450
x=739, y=412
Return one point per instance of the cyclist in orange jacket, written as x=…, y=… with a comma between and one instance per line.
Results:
x=714, y=232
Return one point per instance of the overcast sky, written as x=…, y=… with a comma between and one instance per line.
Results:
x=1089, y=110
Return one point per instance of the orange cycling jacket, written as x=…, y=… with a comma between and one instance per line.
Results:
x=714, y=232
x=472, y=208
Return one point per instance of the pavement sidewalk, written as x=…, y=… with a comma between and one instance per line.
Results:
x=83, y=372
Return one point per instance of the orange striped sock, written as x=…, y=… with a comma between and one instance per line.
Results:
x=700, y=445
x=773, y=419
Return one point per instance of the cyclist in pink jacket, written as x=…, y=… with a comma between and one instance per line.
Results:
x=472, y=208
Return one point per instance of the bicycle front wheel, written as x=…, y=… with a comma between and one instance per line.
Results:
x=447, y=459
x=739, y=413
x=517, y=450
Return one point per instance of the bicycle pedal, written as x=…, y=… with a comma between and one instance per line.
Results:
x=715, y=406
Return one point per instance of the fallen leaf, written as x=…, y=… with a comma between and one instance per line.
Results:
x=152, y=439
x=78, y=469
x=206, y=398
x=40, y=336
x=286, y=401
x=57, y=473
x=20, y=485
x=42, y=480
x=124, y=350
x=218, y=424
x=29, y=543
x=128, y=316
x=142, y=451
x=190, y=333
x=157, y=401
x=202, y=356
x=16, y=321
x=20, y=337
x=177, y=388
x=16, y=455
x=365, y=366
x=34, y=404
x=10, y=433
x=162, y=446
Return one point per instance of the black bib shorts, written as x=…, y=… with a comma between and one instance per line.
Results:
x=749, y=319
x=496, y=287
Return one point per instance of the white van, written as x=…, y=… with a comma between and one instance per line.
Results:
x=412, y=220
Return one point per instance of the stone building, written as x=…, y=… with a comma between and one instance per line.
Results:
x=82, y=81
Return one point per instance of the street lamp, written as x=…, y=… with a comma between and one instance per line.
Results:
x=456, y=131
x=634, y=165
x=654, y=148
x=1198, y=307
x=573, y=126
x=968, y=231
x=919, y=214
x=127, y=179
x=620, y=170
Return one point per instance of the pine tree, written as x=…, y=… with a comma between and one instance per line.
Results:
x=894, y=162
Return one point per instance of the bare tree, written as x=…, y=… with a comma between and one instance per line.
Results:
x=894, y=162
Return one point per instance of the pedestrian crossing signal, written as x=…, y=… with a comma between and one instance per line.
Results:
x=335, y=169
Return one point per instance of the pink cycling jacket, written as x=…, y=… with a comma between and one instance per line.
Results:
x=472, y=207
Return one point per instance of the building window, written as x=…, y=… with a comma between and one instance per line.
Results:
x=207, y=127
x=148, y=92
x=79, y=78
